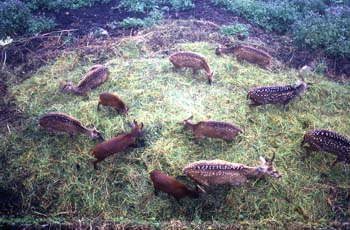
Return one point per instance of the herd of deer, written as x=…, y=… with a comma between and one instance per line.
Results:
x=207, y=172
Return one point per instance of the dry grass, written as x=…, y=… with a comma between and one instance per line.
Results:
x=51, y=186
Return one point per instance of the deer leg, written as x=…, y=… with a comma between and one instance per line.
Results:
x=335, y=162
x=98, y=106
x=195, y=71
x=95, y=164
x=156, y=192
x=308, y=151
x=254, y=103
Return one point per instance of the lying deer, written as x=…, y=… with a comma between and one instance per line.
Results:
x=218, y=172
x=64, y=123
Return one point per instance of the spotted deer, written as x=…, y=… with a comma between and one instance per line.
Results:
x=217, y=172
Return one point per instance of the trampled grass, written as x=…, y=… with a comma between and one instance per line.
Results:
x=309, y=193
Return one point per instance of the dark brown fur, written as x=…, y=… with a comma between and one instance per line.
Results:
x=328, y=141
x=249, y=54
x=170, y=185
x=64, y=123
x=94, y=77
x=213, y=129
x=112, y=100
x=192, y=60
x=275, y=94
x=217, y=172
x=116, y=144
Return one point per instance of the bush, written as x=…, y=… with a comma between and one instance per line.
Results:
x=236, y=29
x=154, y=18
x=139, y=6
x=14, y=17
x=271, y=15
x=180, y=5
x=61, y=4
x=40, y=24
x=328, y=32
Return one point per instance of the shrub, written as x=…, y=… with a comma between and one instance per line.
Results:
x=61, y=4
x=180, y=5
x=154, y=18
x=329, y=32
x=14, y=17
x=236, y=29
x=139, y=6
x=40, y=24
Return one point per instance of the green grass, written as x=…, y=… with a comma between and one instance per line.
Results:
x=121, y=190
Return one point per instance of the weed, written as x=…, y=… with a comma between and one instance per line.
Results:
x=235, y=29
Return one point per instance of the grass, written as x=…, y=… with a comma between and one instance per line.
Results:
x=42, y=168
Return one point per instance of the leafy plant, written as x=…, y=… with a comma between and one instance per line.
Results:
x=139, y=6
x=14, y=17
x=180, y=5
x=40, y=24
x=330, y=33
x=154, y=18
x=235, y=29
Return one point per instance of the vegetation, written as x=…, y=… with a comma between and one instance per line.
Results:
x=315, y=24
x=44, y=167
x=154, y=18
x=236, y=29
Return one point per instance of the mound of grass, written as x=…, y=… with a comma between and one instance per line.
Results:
x=121, y=191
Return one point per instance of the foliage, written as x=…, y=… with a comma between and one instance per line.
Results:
x=154, y=18
x=40, y=24
x=181, y=5
x=61, y=4
x=45, y=165
x=143, y=6
x=14, y=17
x=140, y=6
x=329, y=32
x=235, y=29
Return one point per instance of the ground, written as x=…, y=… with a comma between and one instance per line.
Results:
x=142, y=59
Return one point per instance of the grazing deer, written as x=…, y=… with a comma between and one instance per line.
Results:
x=218, y=172
x=171, y=186
x=116, y=144
x=249, y=54
x=327, y=141
x=94, y=77
x=64, y=123
x=213, y=129
x=112, y=100
x=192, y=60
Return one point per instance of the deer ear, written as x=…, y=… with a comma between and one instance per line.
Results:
x=262, y=159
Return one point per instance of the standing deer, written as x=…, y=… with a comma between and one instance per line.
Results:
x=116, y=144
x=192, y=60
x=64, y=123
x=94, y=77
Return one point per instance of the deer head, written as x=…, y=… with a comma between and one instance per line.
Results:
x=267, y=167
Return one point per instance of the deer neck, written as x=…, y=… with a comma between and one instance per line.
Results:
x=253, y=173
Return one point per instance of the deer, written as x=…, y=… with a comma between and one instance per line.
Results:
x=327, y=141
x=263, y=95
x=94, y=77
x=64, y=123
x=171, y=186
x=249, y=54
x=207, y=173
x=213, y=129
x=192, y=60
x=112, y=100
x=116, y=144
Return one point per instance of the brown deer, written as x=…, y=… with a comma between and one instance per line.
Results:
x=64, y=123
x=249, y=54
x=116, y=144
x=171, y=186
x=276, y=94
x=213, y=129
x=218, y=172
x=192, y=60
x=112, y=100
x=327, y=141
x=94, y=77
